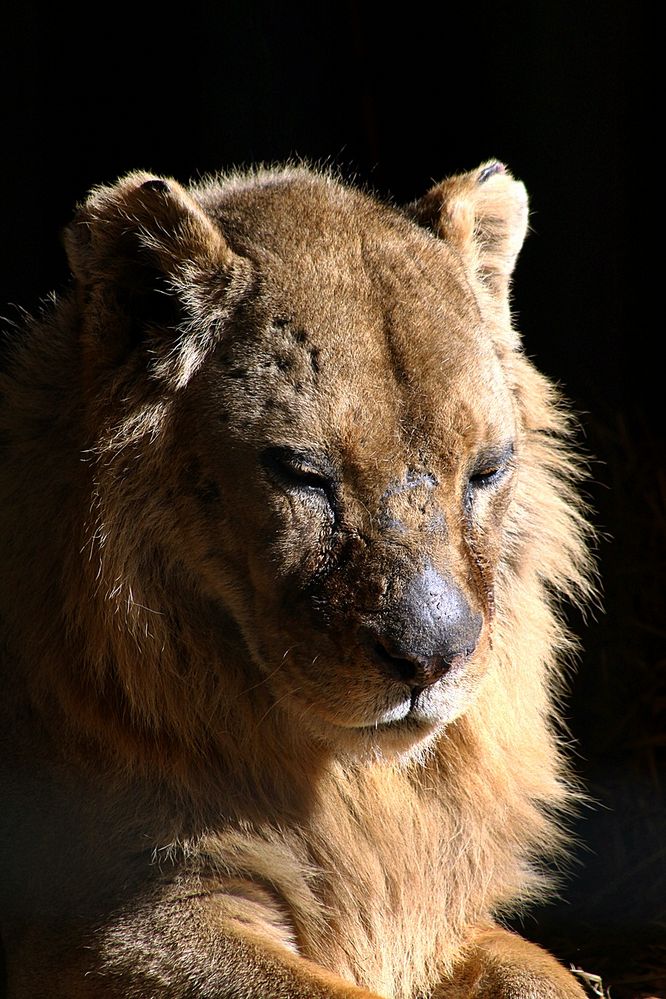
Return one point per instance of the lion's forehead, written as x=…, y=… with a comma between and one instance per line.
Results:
x=367, y=387
x=362, y=341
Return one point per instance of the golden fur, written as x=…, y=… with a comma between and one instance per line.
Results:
x=267, y=403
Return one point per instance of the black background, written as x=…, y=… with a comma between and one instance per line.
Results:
x=556, y=89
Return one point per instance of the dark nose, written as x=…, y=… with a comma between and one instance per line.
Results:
x=425, y=630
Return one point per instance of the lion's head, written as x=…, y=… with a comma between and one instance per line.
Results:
x=307, y=412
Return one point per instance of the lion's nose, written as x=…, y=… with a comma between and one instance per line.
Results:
x=423, y=632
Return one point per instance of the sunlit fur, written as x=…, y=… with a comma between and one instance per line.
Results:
x=135, y=664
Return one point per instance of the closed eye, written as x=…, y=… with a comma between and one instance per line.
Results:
x=298, y=470
x=487, y=477
x=491, y=467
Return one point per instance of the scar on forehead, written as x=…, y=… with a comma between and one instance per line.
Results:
x=301, y=337
x=412, y=480
x=284, y=362
x=314, y=360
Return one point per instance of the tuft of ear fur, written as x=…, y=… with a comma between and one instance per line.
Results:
x=150, y=265
x=483, y=215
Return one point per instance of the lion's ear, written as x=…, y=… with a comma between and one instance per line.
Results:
x=483, y=214
x=151, y=268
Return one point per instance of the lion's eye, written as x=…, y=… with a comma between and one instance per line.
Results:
x=296, y=470
x=486, y=476
x=491, y=468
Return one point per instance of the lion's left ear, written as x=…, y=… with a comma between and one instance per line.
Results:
x=483, y=214
x=155, y=277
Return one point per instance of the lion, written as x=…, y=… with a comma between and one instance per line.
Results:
x=287, y=520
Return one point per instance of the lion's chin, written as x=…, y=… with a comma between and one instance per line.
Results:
x=389, y=740
x=402, y=730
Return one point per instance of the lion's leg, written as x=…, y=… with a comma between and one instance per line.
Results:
x=182, y=951
x=234, y=965
x=502, y=965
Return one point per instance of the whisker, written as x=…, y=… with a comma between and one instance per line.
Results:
x=287, y=693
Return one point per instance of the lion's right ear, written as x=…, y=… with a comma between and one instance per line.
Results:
x=483, y=215
x=151, y=268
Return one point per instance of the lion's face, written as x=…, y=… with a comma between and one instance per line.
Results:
x=355, y=449
x=345, y=440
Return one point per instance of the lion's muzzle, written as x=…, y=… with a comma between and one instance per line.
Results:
x=425, y=630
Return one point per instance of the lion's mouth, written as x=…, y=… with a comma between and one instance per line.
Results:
x=413, y=711
x=412, y=715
